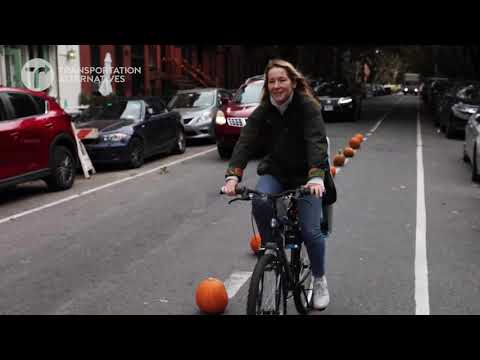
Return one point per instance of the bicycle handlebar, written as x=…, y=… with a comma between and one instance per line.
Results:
x=245, y=192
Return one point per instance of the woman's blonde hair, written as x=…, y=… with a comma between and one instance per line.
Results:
x=293, y=74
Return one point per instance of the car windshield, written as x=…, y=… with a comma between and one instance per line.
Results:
x=131, y=110
x=333, y=90
x=193, y=100
x=411, y=83
x=250, y=93
x=470, y=93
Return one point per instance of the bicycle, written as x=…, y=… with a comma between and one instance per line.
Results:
x=285, y=259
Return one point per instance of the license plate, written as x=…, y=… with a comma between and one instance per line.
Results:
x=328, y=107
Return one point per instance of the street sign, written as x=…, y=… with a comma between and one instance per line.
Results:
x=85, y=161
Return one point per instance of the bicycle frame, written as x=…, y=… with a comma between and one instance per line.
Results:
x=278, y=230
x=279, y=235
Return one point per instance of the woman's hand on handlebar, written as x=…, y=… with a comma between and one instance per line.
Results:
x=316, y=190
x=229, y=187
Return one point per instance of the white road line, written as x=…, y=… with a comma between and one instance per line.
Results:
x=83, y=193
x=236, y=281
x=422, y=306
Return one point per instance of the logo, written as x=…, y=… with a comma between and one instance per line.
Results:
x=37, y=74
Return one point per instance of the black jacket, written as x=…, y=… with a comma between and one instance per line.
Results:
x=296, y=142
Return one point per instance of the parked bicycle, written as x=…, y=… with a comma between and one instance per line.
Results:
x=283, y=268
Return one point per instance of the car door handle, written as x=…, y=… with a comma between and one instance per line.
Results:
x=48, y=125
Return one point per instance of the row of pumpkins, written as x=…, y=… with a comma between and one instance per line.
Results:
x=348, y=152
x=211, y=296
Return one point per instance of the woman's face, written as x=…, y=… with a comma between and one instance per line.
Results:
x=279, y=85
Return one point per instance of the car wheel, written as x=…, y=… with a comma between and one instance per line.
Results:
x=225, y=153
x=475, y=175
x=62, y=169
x=180, y=143
x=137, y=154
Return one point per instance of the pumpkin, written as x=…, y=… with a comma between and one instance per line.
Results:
x=333, y=171
x=354, y=142
x=360, y=136
x=211, y=296
x=255, y=242
x=348, y=152
x=339, y=159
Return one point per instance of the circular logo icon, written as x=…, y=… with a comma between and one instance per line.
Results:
x=37, y=74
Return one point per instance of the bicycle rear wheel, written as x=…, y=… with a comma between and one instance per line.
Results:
x=267, y=291
x=302, y=293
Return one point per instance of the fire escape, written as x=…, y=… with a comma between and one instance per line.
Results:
x=184, y=75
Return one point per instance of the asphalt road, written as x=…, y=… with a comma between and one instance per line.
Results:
x=142, y=245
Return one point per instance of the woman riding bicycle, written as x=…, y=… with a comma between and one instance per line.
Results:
x=289, y=123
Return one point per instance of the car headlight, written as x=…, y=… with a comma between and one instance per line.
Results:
x=220, y=119
x=406, y=89
x=204, y=118
x=344, y=100
x=117, y=137
x=416, y=89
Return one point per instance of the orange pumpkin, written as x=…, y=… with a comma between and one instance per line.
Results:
x=348, y=152
x=211, y=296
x=354, y=142
x=339, y=159
x=333, y=171
x=255, y=242
x=360, y=136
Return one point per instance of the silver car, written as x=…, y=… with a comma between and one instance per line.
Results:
x=471, y=146
x=198, y=108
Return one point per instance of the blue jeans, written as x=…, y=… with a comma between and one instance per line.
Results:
x=310, y=216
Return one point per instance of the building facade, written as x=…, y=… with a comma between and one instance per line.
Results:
x=166, y=68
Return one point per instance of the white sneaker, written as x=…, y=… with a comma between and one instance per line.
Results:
x=321, y=297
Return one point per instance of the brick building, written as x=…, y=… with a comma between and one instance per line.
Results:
x=166, y=68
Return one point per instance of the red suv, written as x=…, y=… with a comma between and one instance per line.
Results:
x=36, y=140
x=228, y=127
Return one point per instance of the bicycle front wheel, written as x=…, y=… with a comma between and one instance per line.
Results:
x=302, y=293
x=267, y=291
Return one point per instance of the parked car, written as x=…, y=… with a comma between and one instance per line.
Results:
x=228, y=127
x=457, y=106
x=199, y=108
x=338, y=100
x=132, y=129
x=471, y=146
x=378, y=90
x=36, y=140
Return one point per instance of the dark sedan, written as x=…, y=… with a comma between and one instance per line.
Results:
x=130, y=130
x=338, y=100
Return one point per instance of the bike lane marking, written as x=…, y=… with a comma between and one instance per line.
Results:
x=422, y=306
x=86, y=192
x=372, y=130
x=235, y=281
